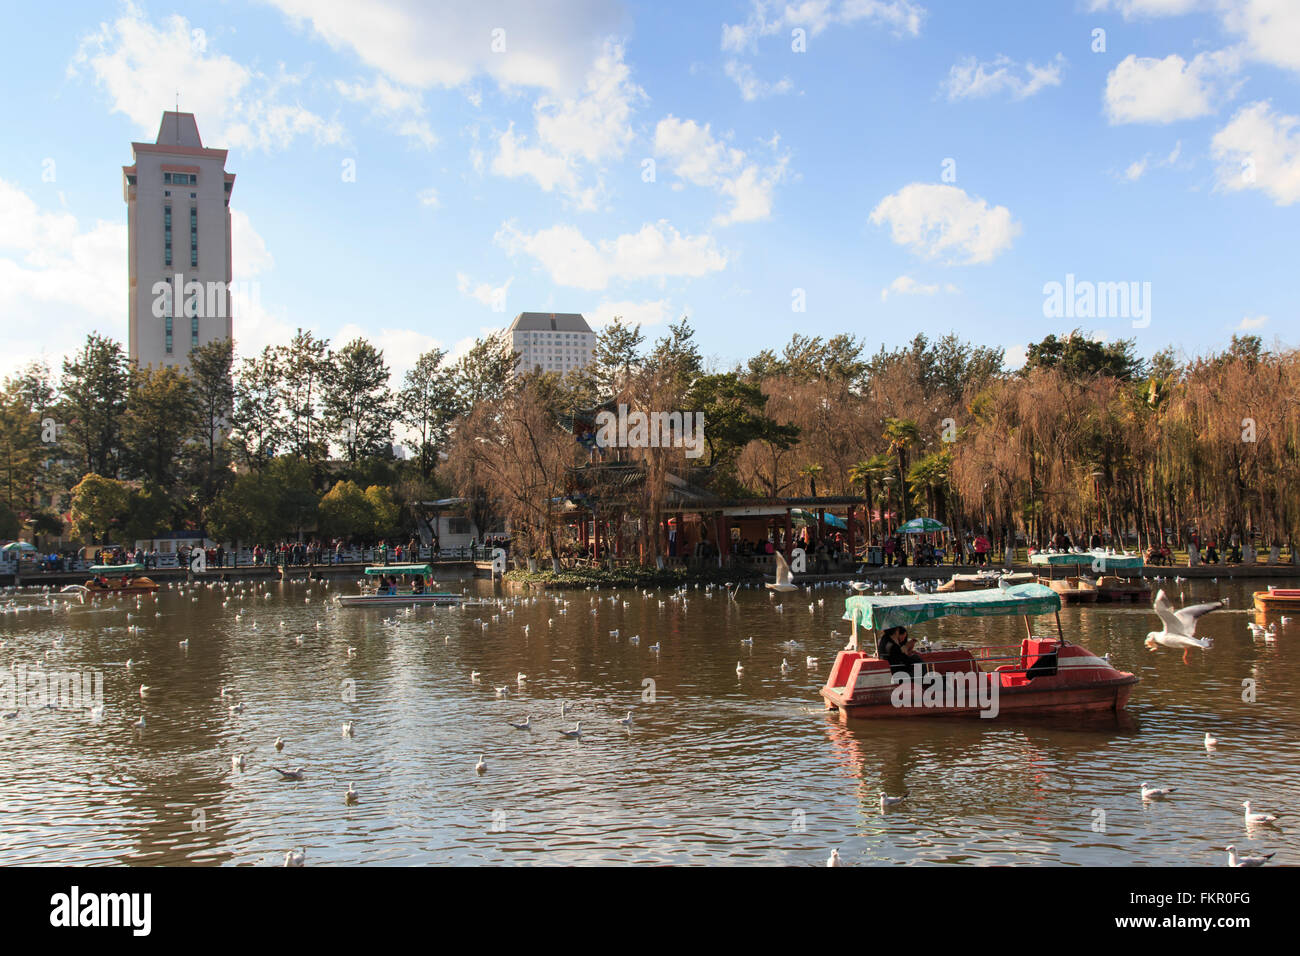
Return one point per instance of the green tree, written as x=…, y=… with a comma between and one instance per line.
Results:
x=485, y=371
x=901, y=434
x=258, y=425
x=214, y=395
x=345, y=511
x=149, y=512
x=1080, y=357
x=94, y=389
x=428, y=406
x=99, y=507
x=384, y=509
x=160, y=417
x=357, y=403
x=616, y=353
x=301, y=369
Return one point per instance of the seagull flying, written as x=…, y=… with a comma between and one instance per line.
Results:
x=1179, y=626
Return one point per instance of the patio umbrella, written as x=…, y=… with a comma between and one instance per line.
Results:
x=922, y=526
x=800, y=516
x=15, y=546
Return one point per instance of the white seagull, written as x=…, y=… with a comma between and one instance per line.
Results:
x=887, y=801
x=1253, y=817
x=1210, y=742
x=294, y=774
x=1156, y=793
x=574, y=733
x=1234, y=860
x=834, y=859
x=526, y=725
x=351, y=797
x=296, y=857
x=347, y=728
x=1179, y=626
x=481, y=766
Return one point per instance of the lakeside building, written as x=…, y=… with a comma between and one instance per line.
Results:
x=177, y=193
x=551, y=341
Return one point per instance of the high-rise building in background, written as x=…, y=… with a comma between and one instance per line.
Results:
x=551, y=341
x=177, y=193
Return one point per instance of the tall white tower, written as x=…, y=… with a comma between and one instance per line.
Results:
x=177, y=194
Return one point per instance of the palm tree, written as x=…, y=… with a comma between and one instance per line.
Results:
x=811, y=472
x=901, y=433
x=868, y=473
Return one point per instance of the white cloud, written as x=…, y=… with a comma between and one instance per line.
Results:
x=1249, y=322
x=140, y=66
x=429, y=197
x=423, y=45
x=1260, y=149
x=771, y=17
x=590, y=128
x=1270, y=30
x=652, y=312
x=1138, y=168
x=700, y=158
x=972, y=79
x=657, y=251
x=906, y=285
x=402, y=108
x=939, y=220
x=751, y=87
x=59, y=279
x=1014, y=356
x=1147, y=90
x=402, y=348
x=1134, y=9
x=494, y=297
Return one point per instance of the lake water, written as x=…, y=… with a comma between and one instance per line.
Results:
x=718, y=769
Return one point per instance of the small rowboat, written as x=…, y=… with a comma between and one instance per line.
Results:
x=128, y=582
x=982, y=581
x=412, y=593
x=1040, y=675
x=1278, y=599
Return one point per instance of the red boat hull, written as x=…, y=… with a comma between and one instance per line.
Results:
x=1049, y=678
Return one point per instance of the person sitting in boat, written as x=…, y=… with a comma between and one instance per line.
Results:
x=417, y=587
x=898, y=650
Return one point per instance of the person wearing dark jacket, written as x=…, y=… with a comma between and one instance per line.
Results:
x=896, y=648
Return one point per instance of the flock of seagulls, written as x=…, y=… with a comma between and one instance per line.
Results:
x=1177, y=632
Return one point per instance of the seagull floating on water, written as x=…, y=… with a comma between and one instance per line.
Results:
x=834, y=859
x=887, y=801
x=1253, y=817
x=279, y=744
x=481, y=766
x=1210, y=742
x=526, y=725
x=572, y=734
x=294, y=774
x=1156, y=793
x=296, y=857
x=351, y=798
x=347, y=728
x=1234, y=860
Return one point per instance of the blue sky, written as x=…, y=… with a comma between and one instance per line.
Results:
x=917, y=166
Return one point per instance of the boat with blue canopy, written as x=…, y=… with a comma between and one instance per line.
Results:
x=1044, y=673
x=410, y=584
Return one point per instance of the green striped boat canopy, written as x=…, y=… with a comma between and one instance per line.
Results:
x=878, y=613
x=401, y=569
x=1098, y=560
x=116, y=568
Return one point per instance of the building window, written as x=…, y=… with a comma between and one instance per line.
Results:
x=194, y=331
x=167, y=235
x=168, y=334
x=194, y=236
